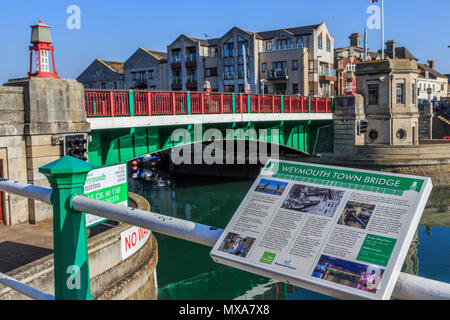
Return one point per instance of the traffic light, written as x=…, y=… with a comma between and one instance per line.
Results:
x=75, y=145
x=362, y=127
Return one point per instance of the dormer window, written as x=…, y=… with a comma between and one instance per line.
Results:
x=299, y=42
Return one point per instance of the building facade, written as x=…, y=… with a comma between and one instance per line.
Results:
x=390, y=101
x=432, y=86
x=146, y=69
x=102, y=74
x=286, y=61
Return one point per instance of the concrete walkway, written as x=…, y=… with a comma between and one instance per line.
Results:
x=22, y=244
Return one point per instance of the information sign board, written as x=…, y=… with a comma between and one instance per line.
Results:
x=108, y=184
x=339, y=231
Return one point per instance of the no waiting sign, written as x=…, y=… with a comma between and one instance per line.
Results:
x=108, y=184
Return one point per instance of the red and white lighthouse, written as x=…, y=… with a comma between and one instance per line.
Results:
x=43, y=52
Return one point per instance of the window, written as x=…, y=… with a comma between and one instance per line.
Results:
x=299, y=42
x=241, y=44
x=152, y=87
x=319, y=42
x=279, y=67
x=372, y=92
x=295, y=88
x=283, y=44
x=103, y=85
x=351, y=67
x=413, y=92
x=264, y=67
x=211, y=72
x=134, y=76
x=212, y=51
x=241, y=88
x=311, y=66
x=400, y=93
x=45, y=65
x=229, y=72
x=241, y=71
x=176, y=55
x=229, y=88
x=191, y=75
x=115, y=85
x=328, y=45
x=268, y=45
x=150, y=74
x=228, y=49
x=294, y=64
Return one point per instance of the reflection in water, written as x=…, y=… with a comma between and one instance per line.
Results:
x=186, y=271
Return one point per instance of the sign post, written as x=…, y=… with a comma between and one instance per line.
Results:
x=71, y=264
x=338, y=231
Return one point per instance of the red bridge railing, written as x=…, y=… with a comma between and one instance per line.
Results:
x=119, y=103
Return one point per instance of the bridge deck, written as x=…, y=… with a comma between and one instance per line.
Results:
x=112, y=109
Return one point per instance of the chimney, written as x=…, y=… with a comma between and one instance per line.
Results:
x=431, y=64
x=390, y=49
x=355, y=40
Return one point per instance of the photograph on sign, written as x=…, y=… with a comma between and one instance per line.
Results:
x=108, y=184
x=340, y=231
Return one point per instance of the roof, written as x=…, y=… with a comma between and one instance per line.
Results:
x=157, y=54
x=424, y=68
x=402, y=53
x=114, y=65
x=265, y=35
x=296, y=31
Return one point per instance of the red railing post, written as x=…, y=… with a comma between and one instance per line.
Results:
x=173, y=101
x=202, y=102
x=273, y=104
x=149, y=103
x=221, y=103
x=317, y=104
x=259, y=103
x=111, y=103
x=290, y=104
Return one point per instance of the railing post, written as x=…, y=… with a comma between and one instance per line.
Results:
x=249, y=103
x=290, y=104
x=71, y=264
x=273, y=104
x=221, y=103
x=241, y=103
x=174, y=107
x=282, y=104
x=188, y=102
x=149, y=103
x=309, y=104
x=111, y=103
x=131, y=102
x=259, y=103
x=202, y=102
x=234, y=103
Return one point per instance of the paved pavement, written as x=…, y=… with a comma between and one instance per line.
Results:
x=22, y=244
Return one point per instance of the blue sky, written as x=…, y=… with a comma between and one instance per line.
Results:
x=114, y=29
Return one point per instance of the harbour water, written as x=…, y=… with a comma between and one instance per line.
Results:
x=186, y=271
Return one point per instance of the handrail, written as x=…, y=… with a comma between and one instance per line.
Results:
x=24, y=289
x=408, y=287
x=114, y=103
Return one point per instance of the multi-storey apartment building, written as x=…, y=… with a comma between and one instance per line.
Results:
x=145, y=69
x=285, y=61
x=431, y=85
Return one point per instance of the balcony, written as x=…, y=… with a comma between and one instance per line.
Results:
x=191, y=61
x=176, y=84
x=277, y=74
x=175, y=62
x=191, y=83
x=275, y=49
x=228, y=76
x=327, y=75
